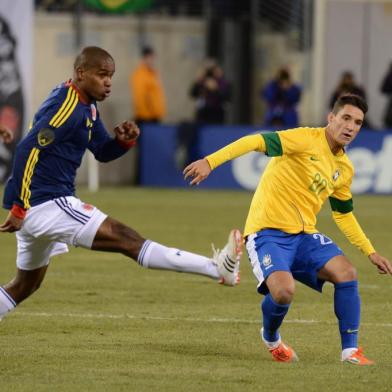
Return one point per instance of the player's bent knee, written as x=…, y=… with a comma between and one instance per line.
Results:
x=115, y=236
x=348, y=274
x=283, y=295
x=129, y=240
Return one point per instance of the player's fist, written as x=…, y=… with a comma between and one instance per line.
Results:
x=11, y=224
x=6, y=134
x=127, y=131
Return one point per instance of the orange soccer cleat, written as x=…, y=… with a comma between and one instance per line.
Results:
x=358, y=358
x=283, y=353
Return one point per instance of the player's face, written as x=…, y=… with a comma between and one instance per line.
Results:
x=344, y=126
x=97, y=81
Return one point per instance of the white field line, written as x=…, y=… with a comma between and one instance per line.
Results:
x=127, y=316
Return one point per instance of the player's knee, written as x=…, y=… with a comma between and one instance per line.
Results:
x=283, y=295
x=129, y=241
x=348, y=274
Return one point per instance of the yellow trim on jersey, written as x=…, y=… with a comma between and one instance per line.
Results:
x=350, y=227
x=66, y=109
x=27, y=175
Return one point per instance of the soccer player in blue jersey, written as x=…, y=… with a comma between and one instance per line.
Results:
x=40, y=194
x=309, y=166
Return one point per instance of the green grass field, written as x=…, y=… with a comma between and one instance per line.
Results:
x=101, y=323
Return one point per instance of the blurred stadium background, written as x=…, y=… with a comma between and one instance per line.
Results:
x=316, y=39
x=99, y=324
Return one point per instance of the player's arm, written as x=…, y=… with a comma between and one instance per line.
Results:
x=106, y=148
x=199, y=170
x=342, y=213
x=272, y=143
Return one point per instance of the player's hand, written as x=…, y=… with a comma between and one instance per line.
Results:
x=11, y=224
x=6, y=134
x=127, y=131
x=198, y=171
x=383, y=265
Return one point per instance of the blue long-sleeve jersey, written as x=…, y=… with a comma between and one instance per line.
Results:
x=47, y=158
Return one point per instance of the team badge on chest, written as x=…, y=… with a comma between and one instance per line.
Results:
x=336, y=175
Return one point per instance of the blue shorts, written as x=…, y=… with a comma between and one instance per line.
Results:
x=303, y=255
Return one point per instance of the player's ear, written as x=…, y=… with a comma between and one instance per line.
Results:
x=79, y=72
x=330, y=117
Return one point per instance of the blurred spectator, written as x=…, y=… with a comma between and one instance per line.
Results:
x=282, y=96
x=348, y=84
x=211, y=91
x=147, y=91
x=386, y=88
x=11, y=96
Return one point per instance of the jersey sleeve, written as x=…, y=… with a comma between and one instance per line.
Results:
x=341, y=199
x=350, y=227
x=287, y=142
x=236, y=149
x=342, y=206
x=104, y=147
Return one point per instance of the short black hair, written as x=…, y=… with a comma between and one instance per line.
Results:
x=147, y=51
x=91, y=56
x=350, y=99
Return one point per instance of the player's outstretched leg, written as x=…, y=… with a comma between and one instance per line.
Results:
x=114, y=236
x=224, y=266
x=22, y=286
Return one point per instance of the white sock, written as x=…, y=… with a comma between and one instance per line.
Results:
x=6, y=303
x=157, y=256
x=347, y=352
x=270, y=344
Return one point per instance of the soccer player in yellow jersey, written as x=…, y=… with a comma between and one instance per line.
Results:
x=309, y=165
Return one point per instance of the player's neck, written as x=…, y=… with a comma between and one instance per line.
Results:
x=333, y=145
x=82, y=96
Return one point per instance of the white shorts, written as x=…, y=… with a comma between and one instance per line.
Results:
x=49, y=227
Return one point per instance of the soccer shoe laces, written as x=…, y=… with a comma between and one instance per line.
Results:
x=283, y=353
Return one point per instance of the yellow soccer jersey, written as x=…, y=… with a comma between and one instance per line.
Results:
x=297, y=181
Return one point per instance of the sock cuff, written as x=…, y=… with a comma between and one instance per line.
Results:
x=6, y=299
x=280, y=306
x=351, y=283
x=141, y=258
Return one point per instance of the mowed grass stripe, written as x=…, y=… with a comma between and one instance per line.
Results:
x=176, y=319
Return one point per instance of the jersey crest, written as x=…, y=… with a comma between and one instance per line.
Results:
x=336, y=175
x=267, y=260
x=45, y=137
